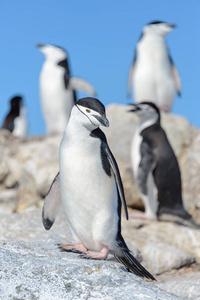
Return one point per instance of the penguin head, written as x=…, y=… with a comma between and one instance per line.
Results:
x=146, y=111
x=16, y=102
x=52, y=52
x=158, y=27
x=90, y=113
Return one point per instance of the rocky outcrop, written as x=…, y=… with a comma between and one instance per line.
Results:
x=40, y=271
x=186, y=286
x=32, y=265
x=27, y=168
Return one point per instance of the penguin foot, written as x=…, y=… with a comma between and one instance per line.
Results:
x=80, y=248
x=143, y=216
x=99, y=255
x=137, y=215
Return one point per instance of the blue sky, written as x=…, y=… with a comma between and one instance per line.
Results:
x=100, y=37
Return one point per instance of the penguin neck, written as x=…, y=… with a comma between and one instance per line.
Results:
x=78, y=125
x=52, y=60
x=15, y=111
x=22, y=111
x=146, y=123
x=151, y=41
x=153, y=36
x=64, y=63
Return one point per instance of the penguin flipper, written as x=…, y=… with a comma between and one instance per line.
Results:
x=176, y=77
x=146, y=165
x=116, y=172
x=79, y=84
x=130, y=77
x=191, y=223
x=129, y=261
x=52, y=203
x=8, y=124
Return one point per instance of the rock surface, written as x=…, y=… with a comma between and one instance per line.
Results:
x=187, y=286
x=28, y=168
x=40, y=271
x=26, y=244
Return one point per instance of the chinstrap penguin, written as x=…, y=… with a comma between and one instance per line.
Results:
x=156, y=168
x=58, y=88
x=90, y=189
x=153, y=73
x=16, y=120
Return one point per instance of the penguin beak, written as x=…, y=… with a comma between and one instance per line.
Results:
x=103, y=120
x=135, y=108
x=38, y=45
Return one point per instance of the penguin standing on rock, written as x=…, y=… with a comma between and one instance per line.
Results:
x=153, y=73
x=91, y=189
x=57, y=88
x=156, y=168
x=16, y=120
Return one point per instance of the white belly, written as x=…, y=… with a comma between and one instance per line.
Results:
x=153, y=79
x=149, y=200
x=135, y=153
x=160, y=90
x=56, y=101
x=21, y=124
x=89, y=196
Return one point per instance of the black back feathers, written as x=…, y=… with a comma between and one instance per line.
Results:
x=14, y=112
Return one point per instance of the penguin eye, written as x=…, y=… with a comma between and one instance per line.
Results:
x=88, y=110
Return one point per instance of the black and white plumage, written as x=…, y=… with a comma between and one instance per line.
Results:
x=90, y=188
x=153, y=73
x=156, y=168
x=58, y=88
x=16, y=120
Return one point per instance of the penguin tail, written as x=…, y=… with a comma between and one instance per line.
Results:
x=125, y=257
x=189, y=223
x=180, y=217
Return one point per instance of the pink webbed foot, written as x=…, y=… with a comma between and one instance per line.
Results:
x=99, y=255
x=80, y=248
x=138, y=215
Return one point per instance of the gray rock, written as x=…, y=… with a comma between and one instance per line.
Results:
x=148, y=245
x=3, y=170
x=40, y=271
x=45, y=177
x=190, y=172
x=180, y=237
x=27, y=226
x=187, y=286
x=155, y=241
x=30, y=164
x=8, y=200
x=161, y=257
